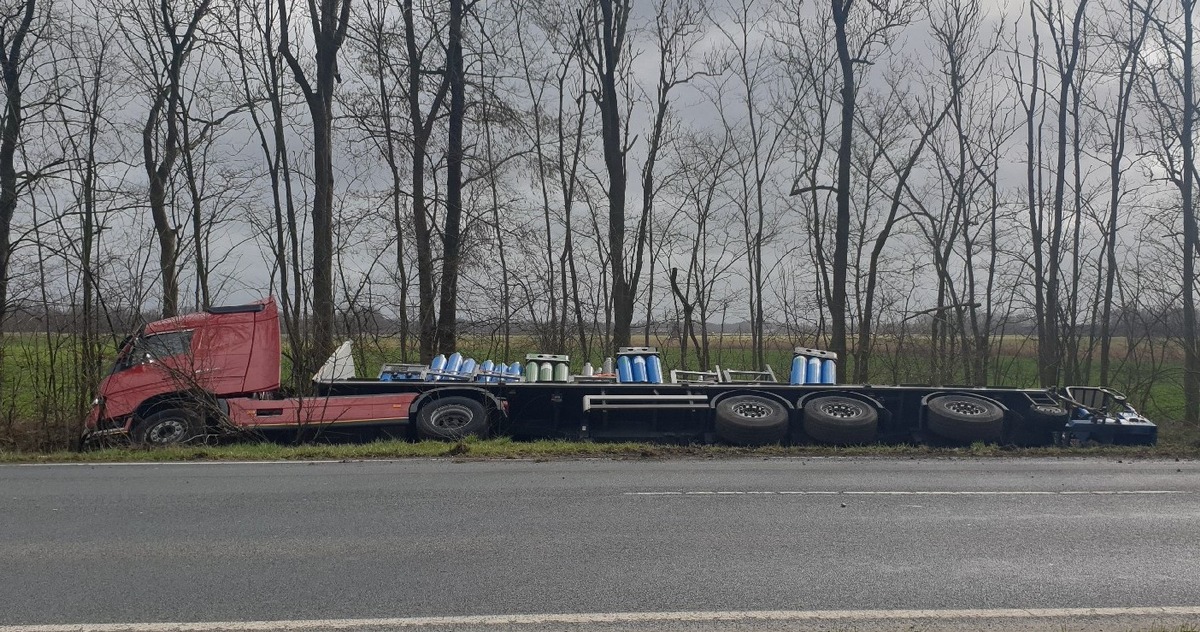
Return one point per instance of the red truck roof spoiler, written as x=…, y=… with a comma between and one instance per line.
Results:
x=237, y=309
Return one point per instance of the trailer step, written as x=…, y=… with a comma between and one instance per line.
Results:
x=651, y=401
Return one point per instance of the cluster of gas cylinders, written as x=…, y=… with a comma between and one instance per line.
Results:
x=452, y=367
x=813, y=366
x=632, y=365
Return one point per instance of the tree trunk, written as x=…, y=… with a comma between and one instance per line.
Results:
x=10, y=64
x=841, y=230
x=1050, y=352
x=447, y=328
x=329, y=23
x=614, y=14
x=1191, y=237
x=421, y=126
x=1047, y=374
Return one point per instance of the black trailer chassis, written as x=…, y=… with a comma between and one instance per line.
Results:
x=763, y=413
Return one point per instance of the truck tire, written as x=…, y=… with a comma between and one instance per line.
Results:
x=451, y=419
x=172, y=426
x=965, y=418
x=840, y=420
x=750, y=420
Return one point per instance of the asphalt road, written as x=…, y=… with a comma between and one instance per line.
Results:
x=381, y=540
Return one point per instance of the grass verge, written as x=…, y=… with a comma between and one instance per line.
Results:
x=545, y=450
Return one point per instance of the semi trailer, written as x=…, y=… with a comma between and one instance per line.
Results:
x=217, y=372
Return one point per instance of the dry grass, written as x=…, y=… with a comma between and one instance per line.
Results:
x=508, y=449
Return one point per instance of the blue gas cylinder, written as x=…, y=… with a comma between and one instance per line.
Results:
x=624, y=370
x=654, y=369
x=639, y=368
x=828, y=372
x=799, y=363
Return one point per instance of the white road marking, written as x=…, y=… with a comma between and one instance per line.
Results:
x=609, y=617
x=1127, y=492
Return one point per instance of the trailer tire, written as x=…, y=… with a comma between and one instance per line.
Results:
x=750, y=420
x=171, y=426
x=840, y=420
x=965, y=418
x=451, y=419
x=1048, y=414
x=1040, y=425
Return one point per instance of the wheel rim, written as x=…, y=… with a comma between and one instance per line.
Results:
x=751, y=410
x=169, y=431
x=964, y=407
x=1052, y=411
x=841, y=410
x=452, y=417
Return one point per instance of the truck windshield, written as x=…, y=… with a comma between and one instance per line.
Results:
x=142, y=349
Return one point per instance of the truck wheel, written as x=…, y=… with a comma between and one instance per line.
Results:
x=172, y=426
x=965, y=418
x=750, y=420
x=840, y=420
x=452, y=418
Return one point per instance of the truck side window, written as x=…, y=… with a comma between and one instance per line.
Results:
x=165, y=345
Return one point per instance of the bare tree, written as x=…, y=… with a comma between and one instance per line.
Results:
x=1173, y=102
x=964, y=53
x=329, y=20
x=1129, y=26
x=159, y=38
x=750, y=77
x=421, y=124
x=928, y=121
x=604, y=25
x=16, y=26
x=1067, y=48
x=447, y=327
x=855, y=40
x=260, y=74
x=83, y=117
x=706, y=235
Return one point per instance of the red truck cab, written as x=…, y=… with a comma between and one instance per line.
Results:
x=183, y=361
x=217, y=371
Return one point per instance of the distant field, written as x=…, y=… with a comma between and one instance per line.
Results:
x=44, y=392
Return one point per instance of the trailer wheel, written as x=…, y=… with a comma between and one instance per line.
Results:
x=750, y=420
x=172, y=426
x=840, y=420
x=1048, y=413
x=965, y=418
x=1040, y=425
x=451, y=419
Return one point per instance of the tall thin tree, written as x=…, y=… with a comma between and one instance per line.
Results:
x=329, y=20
